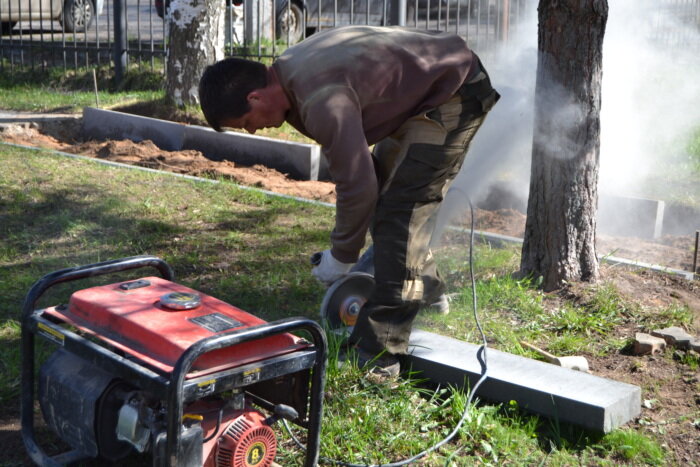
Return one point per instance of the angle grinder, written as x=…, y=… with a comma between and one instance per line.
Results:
x=343, y=300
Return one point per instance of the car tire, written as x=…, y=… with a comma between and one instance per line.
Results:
x=411, y=19
x=161, y=6
x=77, y=15
x=290, y=23
x=6, y=27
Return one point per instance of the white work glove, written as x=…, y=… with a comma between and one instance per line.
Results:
x=328, y=269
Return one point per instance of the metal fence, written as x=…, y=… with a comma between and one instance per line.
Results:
x=40, y=33
x=482, y=22
x=131, y=33
x=127, y=34
x=675, y=23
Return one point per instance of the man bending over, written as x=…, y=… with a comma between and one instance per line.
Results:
x=418, y=97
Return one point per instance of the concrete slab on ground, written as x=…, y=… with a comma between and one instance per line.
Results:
x=108, y=124
x=10, y=117
x=59, y=125
x=501, y=240
x=548, y=390
x=299, y=160
x=630, y=217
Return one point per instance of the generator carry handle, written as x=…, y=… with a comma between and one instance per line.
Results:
x=92, y=270
x=28, y=309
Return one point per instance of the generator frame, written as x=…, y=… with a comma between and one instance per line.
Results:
x=176, y=386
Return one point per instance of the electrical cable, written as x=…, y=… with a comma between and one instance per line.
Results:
x=216, y=430
x=480, y=355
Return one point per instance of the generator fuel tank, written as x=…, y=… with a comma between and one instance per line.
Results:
x=156, y=320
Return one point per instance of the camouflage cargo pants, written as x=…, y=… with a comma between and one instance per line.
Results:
x=416, y=166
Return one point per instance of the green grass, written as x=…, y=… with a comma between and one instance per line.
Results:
x=694, y=150
x=141, y=92
x=53, y=90
x=632, y=447
x=252, y=250
x=515, y=309
x=55, y=214
x=676, y=179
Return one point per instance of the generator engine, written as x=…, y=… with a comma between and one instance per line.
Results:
x=151, y=366
x=109, y=418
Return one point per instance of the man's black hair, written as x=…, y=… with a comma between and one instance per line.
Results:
x=224, y=88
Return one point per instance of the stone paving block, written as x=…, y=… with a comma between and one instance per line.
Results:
x=301, y=161
x=632, y=217
x=108, y=124
x=571, y=396
x=298, y=160
x=674, y=336
x=646, y=344
x=496, y=239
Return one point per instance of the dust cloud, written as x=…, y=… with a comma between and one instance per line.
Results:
x=650, y=96
x=651, y=90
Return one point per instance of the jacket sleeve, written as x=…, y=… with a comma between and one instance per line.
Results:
x=334, y=119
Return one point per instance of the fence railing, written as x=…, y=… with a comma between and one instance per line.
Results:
x=78, y=33
x=127, y=33
x=133, y=33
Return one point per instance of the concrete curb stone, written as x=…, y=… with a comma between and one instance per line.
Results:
x=299, y=160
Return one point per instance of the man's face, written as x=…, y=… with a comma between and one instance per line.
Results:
x=262, y=114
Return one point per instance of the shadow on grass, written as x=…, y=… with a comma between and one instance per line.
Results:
x=86, y=224
x=68, y=228
x=555, y=435
x=243, y=257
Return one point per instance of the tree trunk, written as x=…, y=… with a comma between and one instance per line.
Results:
x=196, y=39
x=560, y=230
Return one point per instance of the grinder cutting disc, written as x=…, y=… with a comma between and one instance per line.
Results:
x=343, y=300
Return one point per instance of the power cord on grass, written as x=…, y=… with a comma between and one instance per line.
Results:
x=480, y=355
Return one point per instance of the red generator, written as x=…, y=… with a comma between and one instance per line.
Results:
x=152, y=366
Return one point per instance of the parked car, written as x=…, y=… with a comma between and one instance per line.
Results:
x=290, y=21
x=294, y=18
x=309, y=16
x=429, y=14
x=74, y=15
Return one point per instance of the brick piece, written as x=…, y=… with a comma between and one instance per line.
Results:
x=646, y=344
x=674, y=336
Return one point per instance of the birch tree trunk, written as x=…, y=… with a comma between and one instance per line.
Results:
x=560, y=231
x=195, y=40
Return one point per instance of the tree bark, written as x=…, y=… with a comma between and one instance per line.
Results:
x=560, y=231
x=196, y=39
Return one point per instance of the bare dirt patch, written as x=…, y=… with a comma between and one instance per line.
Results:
x=190, y=162
x=670, y=251
x=670, y=384
x=669, y=400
